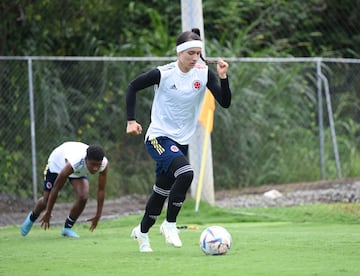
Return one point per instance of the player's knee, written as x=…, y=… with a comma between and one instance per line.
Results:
x=82, y=195
x=186, y=178
x=181, y=186
x=182, y=170
x=82, y=198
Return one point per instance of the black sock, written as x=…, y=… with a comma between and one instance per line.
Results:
x=33, y=217
x=69, y=222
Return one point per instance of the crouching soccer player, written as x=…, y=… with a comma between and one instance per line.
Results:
x=71, y=161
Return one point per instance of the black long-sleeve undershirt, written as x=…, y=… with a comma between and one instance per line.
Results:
x=221, y=92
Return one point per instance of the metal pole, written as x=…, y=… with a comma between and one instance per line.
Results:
x=321, y=119
x=332, y=126
x=32, y=129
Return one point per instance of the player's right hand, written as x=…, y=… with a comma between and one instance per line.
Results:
x=133, y=128
x=45, y=220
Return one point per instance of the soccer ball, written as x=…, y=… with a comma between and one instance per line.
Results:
x=215, y=240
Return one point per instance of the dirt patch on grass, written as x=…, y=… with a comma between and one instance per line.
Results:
x=14, y=210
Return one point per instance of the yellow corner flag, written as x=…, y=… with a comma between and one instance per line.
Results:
x=206, y=119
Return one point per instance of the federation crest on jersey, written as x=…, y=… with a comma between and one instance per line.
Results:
x=197, y=85
x=174, y=148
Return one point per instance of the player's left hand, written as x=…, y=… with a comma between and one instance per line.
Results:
x=94, y=222
x=222, y=67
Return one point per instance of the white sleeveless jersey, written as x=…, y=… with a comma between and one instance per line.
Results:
x=74, y=153
x=177, y=102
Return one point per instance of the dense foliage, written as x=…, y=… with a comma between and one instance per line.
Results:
x=244, y=28
x=273, y=130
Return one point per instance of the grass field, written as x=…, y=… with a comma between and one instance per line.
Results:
x=303, y=240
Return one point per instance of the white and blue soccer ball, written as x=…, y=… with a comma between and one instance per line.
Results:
x=215, y=240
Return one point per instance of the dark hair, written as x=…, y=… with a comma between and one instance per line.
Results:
x=194, y=34
x=95, y=153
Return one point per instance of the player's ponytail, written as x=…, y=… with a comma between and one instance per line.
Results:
x=197, y=31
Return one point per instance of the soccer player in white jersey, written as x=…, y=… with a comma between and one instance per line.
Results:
x=71, y=161
x=179, y=87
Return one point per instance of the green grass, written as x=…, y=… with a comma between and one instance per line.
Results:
x=303, y=240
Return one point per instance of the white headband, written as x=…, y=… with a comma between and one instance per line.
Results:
x=189, y=44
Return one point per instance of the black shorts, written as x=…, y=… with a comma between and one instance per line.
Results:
x=164, y=150
x=49, y=179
